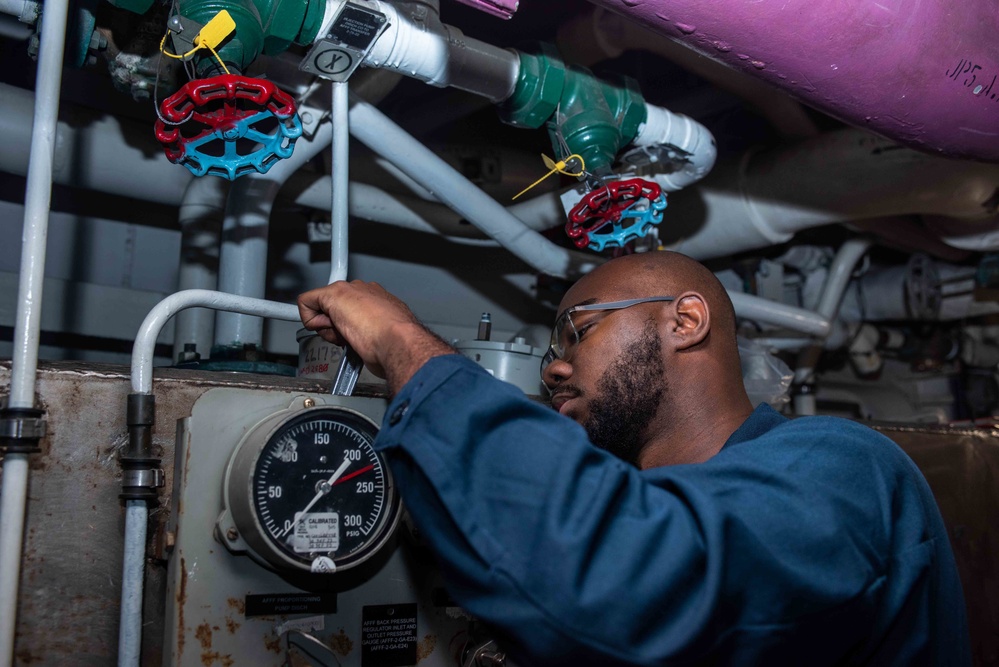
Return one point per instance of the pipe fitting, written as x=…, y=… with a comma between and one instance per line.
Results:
x=141, y=474
x=595, y=118
x=539, y=88
x=262, y=26
x=20, y=430
x=417, y=44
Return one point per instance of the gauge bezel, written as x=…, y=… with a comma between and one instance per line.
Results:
x=239, y=481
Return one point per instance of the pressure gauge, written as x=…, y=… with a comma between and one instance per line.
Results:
x=306, y=491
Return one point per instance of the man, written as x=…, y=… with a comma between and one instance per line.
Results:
x=697, y=531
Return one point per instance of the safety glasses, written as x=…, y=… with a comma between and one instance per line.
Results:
x=566, y=333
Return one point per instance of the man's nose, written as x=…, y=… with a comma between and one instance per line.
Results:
x=559, y=370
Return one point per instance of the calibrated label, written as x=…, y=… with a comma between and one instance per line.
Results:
x=317, y=531
x=388, y=635
x=280, y=604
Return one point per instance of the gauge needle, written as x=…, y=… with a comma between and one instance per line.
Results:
x=355, y=474
x=324, y=488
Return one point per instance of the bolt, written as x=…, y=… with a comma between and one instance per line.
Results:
x=309, y=403
x=231, y=534
x=175, y=25
x=306, y=117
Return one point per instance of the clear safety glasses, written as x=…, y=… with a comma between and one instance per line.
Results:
x=566, y=334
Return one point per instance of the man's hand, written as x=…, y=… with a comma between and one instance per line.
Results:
x=380, y=328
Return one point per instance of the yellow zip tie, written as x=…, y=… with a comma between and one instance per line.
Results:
x=221, y=64
x=174, y=55
x=210, y=36
x=559, y=167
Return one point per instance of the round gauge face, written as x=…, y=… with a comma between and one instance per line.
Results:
x=320, y=491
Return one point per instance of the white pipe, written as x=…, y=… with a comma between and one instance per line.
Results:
x=771, y=312
x=149, y=330
x=792, y=344
x=840, y=271
x=117, y=156
x=836, y=177
x=976, y=236
x=369, y=202
x=418, y=45
x=201, y=214
x=340, y=182
x=92, y=151
x=541, y=212
x=663, y=127
x=13, y=502
x=11, y=29
x=372, y=128
x=26, y=11
x=121, y=160
x=132, y=575
x=243, y=262
x=133, y=566
x=829, y=303
x=38, y=194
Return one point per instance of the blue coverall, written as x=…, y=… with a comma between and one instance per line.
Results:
x=813, y=541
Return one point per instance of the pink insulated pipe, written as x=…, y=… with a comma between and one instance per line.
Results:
x=922, y=72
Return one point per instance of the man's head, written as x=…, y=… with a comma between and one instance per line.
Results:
x=640, y=369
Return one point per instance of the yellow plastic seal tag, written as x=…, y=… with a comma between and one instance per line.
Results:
x=571, y=166
x=216, y=30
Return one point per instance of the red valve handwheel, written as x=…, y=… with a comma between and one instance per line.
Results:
x=225, y=109
x=606, y=205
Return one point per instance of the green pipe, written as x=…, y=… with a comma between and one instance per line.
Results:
x=596, y=118
x=262, y=26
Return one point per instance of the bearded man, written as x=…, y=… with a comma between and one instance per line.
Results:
x=654, y=517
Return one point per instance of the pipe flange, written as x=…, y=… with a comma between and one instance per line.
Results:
x=21, y=429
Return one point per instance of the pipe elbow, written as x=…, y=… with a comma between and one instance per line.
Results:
x=662, y=127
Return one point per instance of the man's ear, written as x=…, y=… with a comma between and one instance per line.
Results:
x=692, y=320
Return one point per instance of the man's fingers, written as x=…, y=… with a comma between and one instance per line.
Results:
x=331, y=336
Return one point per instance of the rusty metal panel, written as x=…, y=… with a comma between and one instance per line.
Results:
x=962, y=468
x=71, y=572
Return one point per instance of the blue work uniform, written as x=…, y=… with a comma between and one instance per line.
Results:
x=813, y=541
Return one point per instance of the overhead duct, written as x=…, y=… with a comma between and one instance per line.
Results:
x=591, y=37
x=922, y=73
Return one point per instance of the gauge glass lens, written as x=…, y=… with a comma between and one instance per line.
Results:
x=320, y=489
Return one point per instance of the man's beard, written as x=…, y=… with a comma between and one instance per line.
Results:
x=628, y=397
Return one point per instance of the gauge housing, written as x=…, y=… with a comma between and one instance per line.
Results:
x=285, y=463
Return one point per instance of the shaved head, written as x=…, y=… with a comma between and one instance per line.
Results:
x=660, y=273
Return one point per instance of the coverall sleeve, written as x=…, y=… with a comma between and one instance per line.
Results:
x=575, y=557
